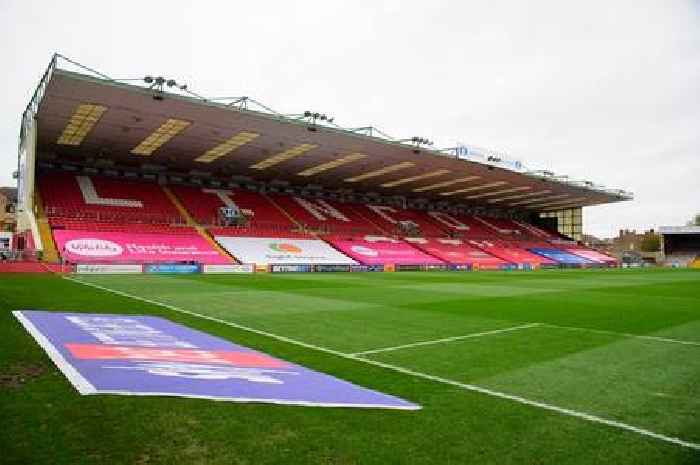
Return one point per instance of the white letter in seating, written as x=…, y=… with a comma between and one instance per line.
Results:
x=318, y=207
x=449, y=220
x=90, y=196
x=382, y=210
x=223, y=195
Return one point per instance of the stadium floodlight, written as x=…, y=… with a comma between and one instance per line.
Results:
x=418, y=177
x=283, y=156
x=313, y=117
x=227, y=146
x=332, y=164
x=82, y=121
x=160, y=136
x=475, y=188
x=421, y=141
x=503, y=191
x=446, y=183
x=381, y=171
x=545, y=173
x=157, y=83
x=418, y=142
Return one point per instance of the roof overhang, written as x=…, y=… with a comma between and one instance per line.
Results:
x=104, y=119
x=678, y=230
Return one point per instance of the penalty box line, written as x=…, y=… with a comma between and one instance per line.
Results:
x=417, y=374
x=446, y=339
x=628, y=335
x=526, y=326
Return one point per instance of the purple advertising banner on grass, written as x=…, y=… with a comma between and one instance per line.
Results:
x=145, y=355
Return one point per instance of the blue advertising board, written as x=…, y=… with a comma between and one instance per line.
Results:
x=145, y=355
x=170, y=268
x=560, y=256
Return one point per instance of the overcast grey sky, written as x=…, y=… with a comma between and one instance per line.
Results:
x=601, y=90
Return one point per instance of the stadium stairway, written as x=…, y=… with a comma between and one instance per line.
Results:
x=535, y=231
x=493, y=227
x=283, y=211
x=50, y=254
x=191, y=222
x=367, y=219
x=325, y=216
x=695, y=263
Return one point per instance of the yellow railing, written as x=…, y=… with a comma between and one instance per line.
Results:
x=50, y=254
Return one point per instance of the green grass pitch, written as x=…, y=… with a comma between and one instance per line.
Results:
x=622, y=346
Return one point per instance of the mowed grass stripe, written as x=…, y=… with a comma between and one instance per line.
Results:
x=636, y=381
x=455, y=426
x=446, y=339
x=332, y=318
x=418, y=374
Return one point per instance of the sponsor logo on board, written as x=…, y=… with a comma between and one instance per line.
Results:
x=285, y=247
x=366, y=251
x=94, y=247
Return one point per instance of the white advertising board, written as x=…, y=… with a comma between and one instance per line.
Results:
x=120, y=269
x=266, y=251
x=247, y=268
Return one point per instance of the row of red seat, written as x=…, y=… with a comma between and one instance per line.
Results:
x=78, y=224
x=106, y=199
x=101, y=203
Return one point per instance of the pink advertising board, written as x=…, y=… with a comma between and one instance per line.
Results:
x=519, y=256
x=377, y=253
x=591, y=255
x=463, y=255
x=114, y=247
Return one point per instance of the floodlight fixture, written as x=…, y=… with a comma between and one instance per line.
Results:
x=314, y=116
x=157, y=84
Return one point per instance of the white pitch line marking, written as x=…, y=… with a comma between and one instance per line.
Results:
x=416, y=374
x=630, y=335
x=447, y=339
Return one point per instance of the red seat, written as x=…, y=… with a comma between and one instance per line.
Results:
x=389, y=219
x=264, y=219
x=326, y=216
x=458, y=252
x=115, y=202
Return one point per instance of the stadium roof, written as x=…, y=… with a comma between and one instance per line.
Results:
x=668, y=230
x=86, y=116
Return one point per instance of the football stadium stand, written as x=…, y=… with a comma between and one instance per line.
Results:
x=97, y=219
x=681, y=246
x=178, y=178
